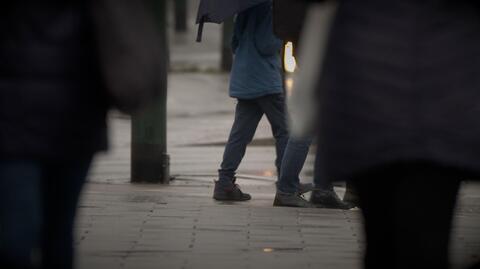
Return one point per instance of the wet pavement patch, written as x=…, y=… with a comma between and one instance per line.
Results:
x=145, y=199
x=282, y=249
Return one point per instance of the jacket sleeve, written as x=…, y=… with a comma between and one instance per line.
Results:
x=234, y=43
x=265, y=40
x=236, y=36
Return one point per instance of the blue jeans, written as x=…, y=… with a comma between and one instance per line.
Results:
x=37, y=210
x=292, y=164
x=248, y=114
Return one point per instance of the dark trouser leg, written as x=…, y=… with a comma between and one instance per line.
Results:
x=293, y=160
x=408, y=211
x=63, y=183
x=321, y=182
x=247, y=116
x=350, y=196
x=20, y=214
x=274, y=108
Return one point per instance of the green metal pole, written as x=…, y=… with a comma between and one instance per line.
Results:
x=150, y=161
x=227, y=55
x=181, y=15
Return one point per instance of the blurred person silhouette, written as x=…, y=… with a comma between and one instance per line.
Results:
x=398, y=105
x=256, y=82
x=53, y=105
x=288, y=20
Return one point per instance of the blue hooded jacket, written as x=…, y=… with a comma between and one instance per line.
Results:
x=256, y=70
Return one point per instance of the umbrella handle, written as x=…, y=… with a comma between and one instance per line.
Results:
x=200, y=31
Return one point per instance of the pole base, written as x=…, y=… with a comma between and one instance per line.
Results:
x=149, y=165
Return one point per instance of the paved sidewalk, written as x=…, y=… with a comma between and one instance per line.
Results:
x=180, y=226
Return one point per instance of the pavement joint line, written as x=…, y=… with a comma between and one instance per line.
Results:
x=214, y=175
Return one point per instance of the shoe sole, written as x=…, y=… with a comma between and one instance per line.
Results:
x=296, y=206
x=319, y=205
x=279, y=204
x=223, y=199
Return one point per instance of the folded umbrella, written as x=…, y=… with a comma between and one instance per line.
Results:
x=217, y=11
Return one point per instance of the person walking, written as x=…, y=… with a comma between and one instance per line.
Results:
x=52, y=121
x=289, y=22
x=398, y=117
x=256, y=82
x=53, y=105
x=290, y=190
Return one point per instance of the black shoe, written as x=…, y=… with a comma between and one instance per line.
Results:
x=229, y=192
x=305, y=187
x=291, y=200
x=328, y=199
x=351, y=197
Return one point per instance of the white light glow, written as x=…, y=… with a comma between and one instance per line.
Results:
x=289, y=86
x=289, y=60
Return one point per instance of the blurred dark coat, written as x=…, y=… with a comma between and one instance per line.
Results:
x=51, y=100
x=401, y=83
x=288, y=19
